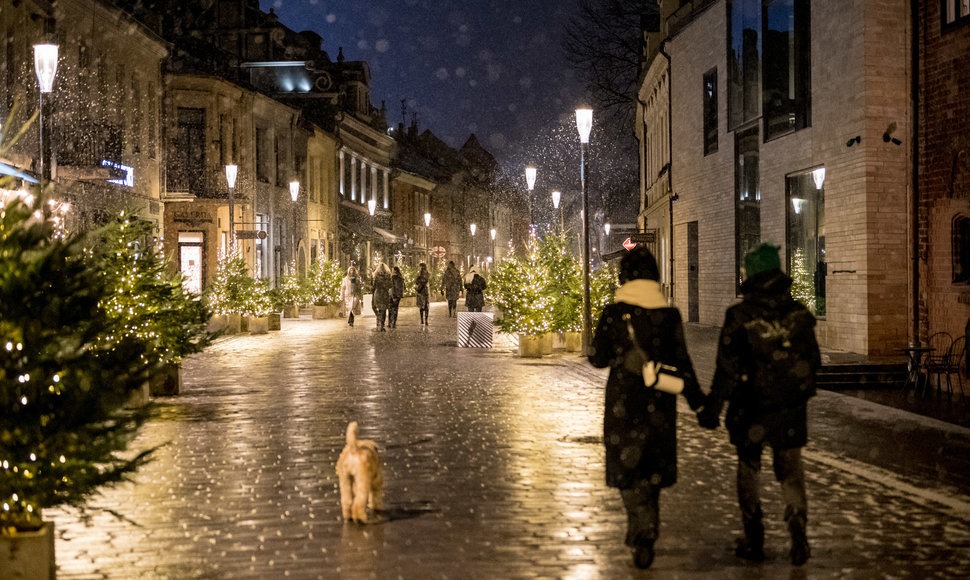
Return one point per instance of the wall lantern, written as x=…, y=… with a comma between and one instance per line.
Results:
x=294, y=190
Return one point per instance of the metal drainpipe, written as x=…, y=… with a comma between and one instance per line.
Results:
x=914, y=15
x=670, y=162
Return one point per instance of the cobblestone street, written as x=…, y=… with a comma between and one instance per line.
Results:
x=493, y=469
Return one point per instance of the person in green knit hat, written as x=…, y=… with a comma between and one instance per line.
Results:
x=767, y=360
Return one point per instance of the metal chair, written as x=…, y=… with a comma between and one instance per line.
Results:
x=935, y=363
x=956, y=357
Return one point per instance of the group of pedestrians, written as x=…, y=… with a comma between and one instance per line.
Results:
x=389, y=290
x=766, y=365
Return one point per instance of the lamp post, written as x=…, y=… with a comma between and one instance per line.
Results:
x=556, y=195
x=45, y=66
x=530, y=181
x=427, y=236
x=231, y=171
x=584, y=124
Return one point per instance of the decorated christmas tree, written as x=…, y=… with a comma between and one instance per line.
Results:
x=519, y=288
x=565, y=282
x=324, y=281
x=602, y=289
x=259, y=302
x=67, y=368
x=231, y=285
x=803, y=284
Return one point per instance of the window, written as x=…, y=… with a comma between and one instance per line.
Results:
x=806, y=238
x=744, y=61
x=787, y=67
x=262, y=155
x=747, y=198
x=961, y=250
x=954, y=12
x=190, y=252
x=188, y=162
x=710, y=112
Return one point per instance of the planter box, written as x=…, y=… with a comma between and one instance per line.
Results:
x=324, y=312
x=138, y=397
x=408, y=302
x=28, y=555
x=558, y=341
x=574, y=341
x=166, y=382
x=545, y=343
x=235, y=323
x=291, y=311
x=529, y=346
x=218, y=323
x=258, y=324
x=274, y=321
x=243, y=323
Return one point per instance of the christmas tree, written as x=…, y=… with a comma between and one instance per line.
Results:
x=231, y=285
x=67, y=367
x=803, y=285
x=324, y=281
x=565, y=282
x=519, y=288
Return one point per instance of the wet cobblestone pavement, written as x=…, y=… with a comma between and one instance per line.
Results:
x=493, y=469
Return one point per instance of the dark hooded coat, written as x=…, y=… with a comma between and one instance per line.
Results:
x=766, y=364
x=640, y=423
x=475, y=290
x=451, y=283
x=382, y=290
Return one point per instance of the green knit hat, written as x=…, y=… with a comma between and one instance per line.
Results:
x=762, y=258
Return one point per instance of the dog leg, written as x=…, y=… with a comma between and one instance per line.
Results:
x=361, y=492
x=346, y=494
x=377, y=491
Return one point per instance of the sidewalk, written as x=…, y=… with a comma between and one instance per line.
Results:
x=493, y=470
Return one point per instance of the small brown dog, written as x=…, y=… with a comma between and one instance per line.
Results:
x=360, y=475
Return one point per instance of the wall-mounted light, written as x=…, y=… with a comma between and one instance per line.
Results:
x=530, y=177
x=818, y=176
x=427, y=220
x=294, y=190
x=555, y=199
x=371, y=205
x=493, y=232
x=854, y=141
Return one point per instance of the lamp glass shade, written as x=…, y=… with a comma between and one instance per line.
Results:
x=231, y=171
x=427, y=220
x=371, y=205
x=555, y=199
x=493, y=232
x=606, y=228
x=294, y=190
x=45, y=65
x=474, y=228
x=818, y=176
x=584, y=123
x=530, y=177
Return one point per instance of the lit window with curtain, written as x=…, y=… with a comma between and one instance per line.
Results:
x=805, y=247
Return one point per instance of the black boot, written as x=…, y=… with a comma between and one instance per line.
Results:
x=800, y=551
x=643, y=555
x=752, y=546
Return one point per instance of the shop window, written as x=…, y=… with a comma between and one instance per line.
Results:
x=961, y=250
x=805, y=227
x=747, y=198
x=190, y=252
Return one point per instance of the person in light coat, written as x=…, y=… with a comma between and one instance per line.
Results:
x=351, y=293
x=640, y=422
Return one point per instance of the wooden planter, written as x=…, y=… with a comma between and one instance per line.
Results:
x=139, y=397
x=28, y=554
x=291, y=311
x=166, y=382
x=274, y=321
x=574, y=341
x=324, y=312
x=408, y=302
x=529, y=346
x=217, y=323
x=258, y=324
x=545, y=343
x=235, y=323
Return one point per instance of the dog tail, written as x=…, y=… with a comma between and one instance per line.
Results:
x=352, y=433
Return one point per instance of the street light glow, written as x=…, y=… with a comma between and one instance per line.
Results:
x=231, y=171
x=371, y=205
x=530, y=177
x=427, y=220
x=294, y=190
x=584, y=123
x=555, y=199
x=606, y=227
x=493, y=234
x=45, y=65
x=818, y=176
x=473, y=228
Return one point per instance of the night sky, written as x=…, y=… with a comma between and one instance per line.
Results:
x=495, y=68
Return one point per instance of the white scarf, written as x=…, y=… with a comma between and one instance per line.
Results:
x=642, y=293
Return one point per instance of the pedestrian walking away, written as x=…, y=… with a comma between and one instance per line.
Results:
x=451, y=287
x=397, y=292
x=640, y=422
x=423, y=292
x=382, y=294
x=474, y=290
x=351, y=294
x=767, y=360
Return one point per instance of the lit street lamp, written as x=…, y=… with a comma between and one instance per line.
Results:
x=491, y=249
x=45, y=66
x=294, y=190
x=473, y=228
x=231, y=171
x=584, y=124
x=556, y=195
x=427, y=237
x=530, y=181
x=606, y=228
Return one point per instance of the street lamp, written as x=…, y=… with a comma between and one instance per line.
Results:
x=294, y=190
x=491, y=248
x=231, y=171
x=45, y=66
x=556, y=195
x=427, y=227
x=530, y=181
x=371, y=206
x=584, y=124
x=606, y=228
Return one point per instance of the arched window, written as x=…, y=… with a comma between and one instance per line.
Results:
x=961, y=249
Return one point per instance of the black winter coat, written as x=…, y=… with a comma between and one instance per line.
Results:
x=382, y=291
x=640, y=423
x=474, y=292
x=397, y=289
x=766, y=364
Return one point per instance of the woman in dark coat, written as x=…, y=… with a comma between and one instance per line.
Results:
x=474, y=290
x=382, y=293
x=423, y=293
x=640, y=423
x=451, y=288
x=397, y=292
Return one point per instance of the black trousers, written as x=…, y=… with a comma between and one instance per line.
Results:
x=642, y=503
x=392, y=315
x=788, y=471
x=380, y=313
x=452, y=307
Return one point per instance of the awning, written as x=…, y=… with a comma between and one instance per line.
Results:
x=389, y=237
x=13, y=171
